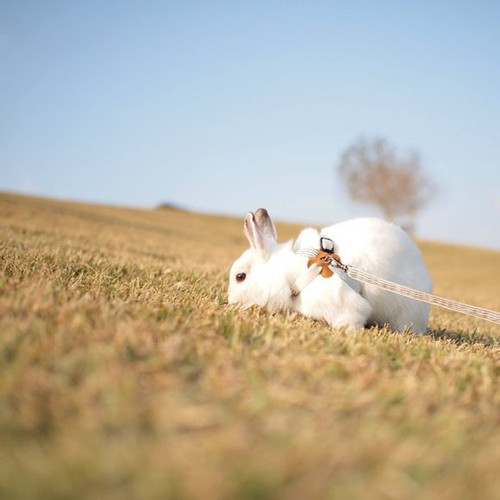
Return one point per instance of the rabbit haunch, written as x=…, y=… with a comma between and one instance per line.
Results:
x=264, y=274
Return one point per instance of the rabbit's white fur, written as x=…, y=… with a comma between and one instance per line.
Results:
x=267, y=270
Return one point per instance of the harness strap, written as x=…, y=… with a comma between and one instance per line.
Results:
x=305, y=279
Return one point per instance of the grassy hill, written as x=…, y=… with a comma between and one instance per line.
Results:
x=124, y=373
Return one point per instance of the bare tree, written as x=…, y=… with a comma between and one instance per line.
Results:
x=374, y=174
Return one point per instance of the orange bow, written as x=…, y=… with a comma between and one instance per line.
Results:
x=324, y=259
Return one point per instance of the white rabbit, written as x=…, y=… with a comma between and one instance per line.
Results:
x=264, y=274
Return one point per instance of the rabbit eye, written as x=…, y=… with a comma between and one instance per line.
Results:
x=240, y=277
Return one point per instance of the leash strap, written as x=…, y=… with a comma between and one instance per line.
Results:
x=316, y=266
x=453, y=305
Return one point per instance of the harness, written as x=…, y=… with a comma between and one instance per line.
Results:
x=326, y=262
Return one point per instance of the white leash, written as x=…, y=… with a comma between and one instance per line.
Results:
x=315, y=270
x=453, y=305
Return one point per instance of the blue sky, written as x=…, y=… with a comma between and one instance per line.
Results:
x=228, y=106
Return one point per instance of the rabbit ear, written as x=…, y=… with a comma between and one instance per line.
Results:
x=250, y=229
x=265, y=224
x=260, y=232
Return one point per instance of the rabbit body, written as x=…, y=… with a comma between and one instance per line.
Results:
x=264, y=274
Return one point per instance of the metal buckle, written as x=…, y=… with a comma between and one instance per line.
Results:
x=326, y=244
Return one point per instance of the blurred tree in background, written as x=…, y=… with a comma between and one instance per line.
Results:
x=397, y=185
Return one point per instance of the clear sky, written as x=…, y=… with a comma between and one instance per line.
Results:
x=228, y=106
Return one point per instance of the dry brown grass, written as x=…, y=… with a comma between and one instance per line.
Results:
x=125, y=375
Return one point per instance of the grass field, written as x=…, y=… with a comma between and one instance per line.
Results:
x=124, y=374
